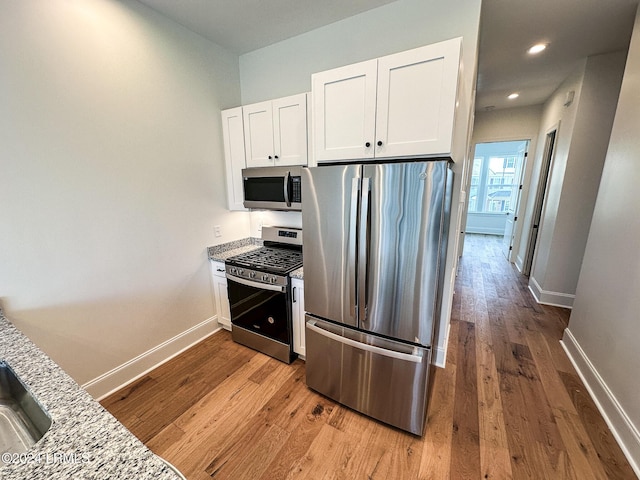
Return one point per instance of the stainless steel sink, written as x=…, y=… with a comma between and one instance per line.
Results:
x=23, y=421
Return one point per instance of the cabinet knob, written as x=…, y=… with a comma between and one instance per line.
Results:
x=379, y=143
x=269, y=157
x=368, y=144
x=276, y=157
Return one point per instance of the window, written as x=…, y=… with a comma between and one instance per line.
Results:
x=495, y=176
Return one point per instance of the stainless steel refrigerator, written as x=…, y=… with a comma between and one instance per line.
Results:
x=375, y=239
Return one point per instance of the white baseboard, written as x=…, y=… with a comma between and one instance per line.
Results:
x=624, y=431
x=113, y=380
x=519, y=263
x=546, y=297
x=485, y=231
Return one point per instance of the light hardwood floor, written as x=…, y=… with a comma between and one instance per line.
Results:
x=509, y=404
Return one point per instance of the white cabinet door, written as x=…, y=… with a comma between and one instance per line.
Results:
x=344, y=105
x=275, y=132
x=416, y=100
x=220, y=296
x=234, y=157
x=297, y=294
x=258, y=134
x=290, y=130
x=401, y=105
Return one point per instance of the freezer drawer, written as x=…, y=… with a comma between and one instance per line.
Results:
x=383, y=379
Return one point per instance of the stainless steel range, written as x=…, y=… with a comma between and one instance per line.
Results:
x=259, y=289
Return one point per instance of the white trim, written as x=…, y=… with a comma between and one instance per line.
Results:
x=485, y=231
x=624, y=431
x=440, y=357
x=113, y=380
x=545, y=297
x=440, y=353
x=519, y=263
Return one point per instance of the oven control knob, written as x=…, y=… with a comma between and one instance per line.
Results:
x=265, y=278
x=252, y=274
x=233, y=270
x=240, y=271
x=273, y=280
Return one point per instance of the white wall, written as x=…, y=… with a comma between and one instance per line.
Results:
x=286, y=67
x=581, y=145
x=111, y=162
x=485, y=223
x=506, y=125
x=602, y=337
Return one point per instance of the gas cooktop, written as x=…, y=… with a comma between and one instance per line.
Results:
x=269, y=259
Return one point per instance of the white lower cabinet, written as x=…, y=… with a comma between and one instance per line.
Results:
x=297, y=297
x=220, y=296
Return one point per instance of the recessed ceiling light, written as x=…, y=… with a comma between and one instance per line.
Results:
x=537, y=48
x=513, y=96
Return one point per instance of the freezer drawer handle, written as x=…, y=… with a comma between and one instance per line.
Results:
x=407, y=357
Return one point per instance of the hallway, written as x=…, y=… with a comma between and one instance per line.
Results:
x=519, y=408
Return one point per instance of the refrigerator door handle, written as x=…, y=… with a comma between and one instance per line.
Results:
x=363, y=250
x=407, y=357
x=353, y=218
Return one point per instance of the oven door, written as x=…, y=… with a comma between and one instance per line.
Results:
x=261, y=316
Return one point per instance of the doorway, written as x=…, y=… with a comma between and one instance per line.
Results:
x=549, y=145
x=495, y=189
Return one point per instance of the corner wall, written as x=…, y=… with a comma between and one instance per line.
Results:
x=112, y=172
x=581, y=144
x=602, y=338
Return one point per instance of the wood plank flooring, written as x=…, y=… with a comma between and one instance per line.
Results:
x=508, y=404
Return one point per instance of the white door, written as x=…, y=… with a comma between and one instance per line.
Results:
x=416, y=100
x=514, y=205
x=258, y=134
x=344, y=105
x=233, y=138
x=290, y=130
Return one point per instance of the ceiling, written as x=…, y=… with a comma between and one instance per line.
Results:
x=574, y=29
x=242, y=26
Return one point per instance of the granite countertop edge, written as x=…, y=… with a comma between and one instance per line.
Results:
x=219, y=253
x=84, y=442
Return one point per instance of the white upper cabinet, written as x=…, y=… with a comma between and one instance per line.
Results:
x=234, y=157
x=276, y=132
x=344, y=112
x=401, y=105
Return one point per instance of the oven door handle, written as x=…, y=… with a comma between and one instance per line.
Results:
x=261, y=286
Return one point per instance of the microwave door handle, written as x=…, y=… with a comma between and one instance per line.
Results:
x=363, y=251
x=352, y=254
x=287, y=181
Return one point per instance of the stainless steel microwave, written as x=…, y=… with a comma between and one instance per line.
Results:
x=273, y=188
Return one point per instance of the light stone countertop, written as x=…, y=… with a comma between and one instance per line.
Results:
x=84, y=442
x=220, y=253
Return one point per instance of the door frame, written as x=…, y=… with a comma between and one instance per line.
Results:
x=539, y=205
x=522, y=207
x=514, y=241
